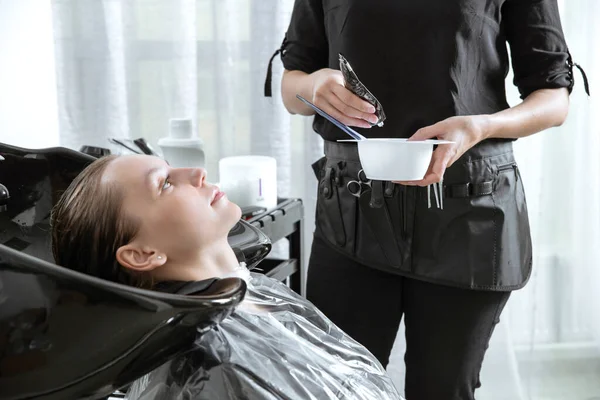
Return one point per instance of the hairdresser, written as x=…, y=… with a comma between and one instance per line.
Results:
x=438, y=69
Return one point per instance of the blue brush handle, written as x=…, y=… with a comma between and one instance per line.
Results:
x=349, y=131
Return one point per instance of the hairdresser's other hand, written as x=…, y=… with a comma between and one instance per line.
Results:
x=464, y=131
x=330, y=95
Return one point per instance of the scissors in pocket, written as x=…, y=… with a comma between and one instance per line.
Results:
x=360, y=185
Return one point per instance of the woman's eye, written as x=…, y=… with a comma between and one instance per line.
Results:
x=166, y=185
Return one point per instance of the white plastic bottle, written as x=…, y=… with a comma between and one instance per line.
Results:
x=181, y=148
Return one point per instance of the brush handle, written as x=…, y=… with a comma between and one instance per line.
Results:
x=349, y=131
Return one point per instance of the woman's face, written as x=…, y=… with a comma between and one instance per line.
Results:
x=179, y=212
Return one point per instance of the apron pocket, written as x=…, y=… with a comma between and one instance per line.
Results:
x=379, y=234
x=368, y=229
x=481, y=239
x=372, y=236
x=336, y=209
x=513, y=248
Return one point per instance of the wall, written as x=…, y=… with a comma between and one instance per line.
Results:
x=28, y=106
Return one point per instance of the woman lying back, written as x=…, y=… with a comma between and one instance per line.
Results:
x=135, y=220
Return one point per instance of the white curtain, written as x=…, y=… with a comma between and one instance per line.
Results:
x=125, y=67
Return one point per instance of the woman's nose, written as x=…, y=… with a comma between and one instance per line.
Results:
x=198, y=176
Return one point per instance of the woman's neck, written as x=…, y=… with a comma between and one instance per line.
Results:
x=212, y=261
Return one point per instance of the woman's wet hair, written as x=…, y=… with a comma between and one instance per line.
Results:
x=88, y=226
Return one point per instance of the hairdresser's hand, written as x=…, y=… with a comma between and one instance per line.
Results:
x=330, y=95
x=464, y=131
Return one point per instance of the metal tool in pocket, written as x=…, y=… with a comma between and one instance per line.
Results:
x=360, y=185
x=439, y=198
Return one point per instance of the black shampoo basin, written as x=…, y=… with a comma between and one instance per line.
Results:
x=66, y=335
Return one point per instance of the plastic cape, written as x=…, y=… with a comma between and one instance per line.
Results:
x=276, y=345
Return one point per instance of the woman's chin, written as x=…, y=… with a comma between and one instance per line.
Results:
x=237, y=211
x=231, y=213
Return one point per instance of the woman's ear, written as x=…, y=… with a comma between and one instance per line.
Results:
x=138, y=258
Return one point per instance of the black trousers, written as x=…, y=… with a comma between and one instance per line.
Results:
x=447, y=329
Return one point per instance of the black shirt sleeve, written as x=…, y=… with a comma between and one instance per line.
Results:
x=540, y=57
x=305, y=46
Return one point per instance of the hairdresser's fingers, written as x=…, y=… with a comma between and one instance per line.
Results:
x=330, y=109
x=353, y=100
x=327, y=82
x=440, y=160
x=349, y=110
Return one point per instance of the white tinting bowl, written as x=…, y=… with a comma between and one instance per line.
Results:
x=395, y=159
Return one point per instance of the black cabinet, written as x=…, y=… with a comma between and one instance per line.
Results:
x=284, y=221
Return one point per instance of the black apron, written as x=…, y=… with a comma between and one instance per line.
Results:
x=479, y=240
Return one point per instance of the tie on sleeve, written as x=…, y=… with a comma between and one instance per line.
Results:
x=305, y=46
x=539, y=52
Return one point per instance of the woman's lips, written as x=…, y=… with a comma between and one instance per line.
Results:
x=218, y=195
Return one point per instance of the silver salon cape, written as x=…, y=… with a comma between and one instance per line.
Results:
x=276, y=345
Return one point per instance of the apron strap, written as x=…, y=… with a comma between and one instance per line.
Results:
x=468, y=189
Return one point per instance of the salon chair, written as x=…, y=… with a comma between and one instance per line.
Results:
x=66, y=335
